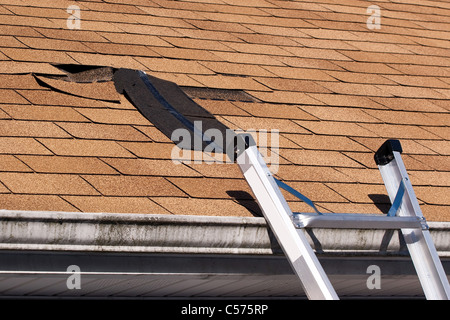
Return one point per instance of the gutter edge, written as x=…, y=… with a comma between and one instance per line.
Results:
x=184, y=234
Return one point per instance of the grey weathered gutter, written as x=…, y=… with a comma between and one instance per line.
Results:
x=22, y=230
x=147, y=233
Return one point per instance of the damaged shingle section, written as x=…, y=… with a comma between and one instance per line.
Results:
x=335, y=90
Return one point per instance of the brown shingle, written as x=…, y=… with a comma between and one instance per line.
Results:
x=4, y=115
x=427, y=178
x=43, y=113
x=285, y=97
x=203, y=207
x=220, y=26
x=22, y=146
x=363, y=78
x=430, y=162
x=178, y=66
x=341, y=100
x=202, y=44
x=59, y=164
x=274, y=111
x=218, y=107
x=150, y=150
x=336, y=128
x=298, y=73
x=32, y=55
x=249, y=58
x=115, y=205
x=367, y=67
x=147, y=167
x=409, y=146
x=10, y=163
x=293, y=85
x=54, y=44
x=441, y=147
x=74, y=35
x=311, y=173
x=340, y=114
x=356, y=208
x=113, y=116
x=153, y=133
x=97, y=90
x=411, y=92
x=55, y=184
x=247, y=123
x=327, y=54
x=121, y=49
x=52, y=98
x=315, y=191
x=435, y=213
x=34, y=203
x=27, y=81
x=11, y=42
x=213, y=188
x=136, y=39
x=106, y=60
x=10, y=67
x=185, y=54
x=361, y=193
x=357, y=89
x=433, y=195
x=318, y=142
x=11, y=96
x=406, y=104
x=103, y=132
x=229, y=82
x=318, y=158
x=133, y=186
x=398, y=131
x=25, y=31
x=85, y=148
x=17, y=128
x=217, y=170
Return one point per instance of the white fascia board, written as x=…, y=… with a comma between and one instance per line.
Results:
x=149, y=233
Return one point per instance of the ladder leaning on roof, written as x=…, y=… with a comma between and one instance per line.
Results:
x=405, y=214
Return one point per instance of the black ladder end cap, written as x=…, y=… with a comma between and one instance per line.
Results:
x=385, y=153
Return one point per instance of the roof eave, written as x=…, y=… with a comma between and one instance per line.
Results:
x=148, y=233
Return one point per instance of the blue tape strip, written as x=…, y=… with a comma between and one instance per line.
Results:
x=397, y=201
x=298, y=195
x=188, y=124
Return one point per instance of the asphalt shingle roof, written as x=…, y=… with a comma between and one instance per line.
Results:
x=335, y=89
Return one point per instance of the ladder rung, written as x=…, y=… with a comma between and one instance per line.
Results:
x=356, y=221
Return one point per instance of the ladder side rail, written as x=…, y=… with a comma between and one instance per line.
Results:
x=279, y=217
x=419, y=242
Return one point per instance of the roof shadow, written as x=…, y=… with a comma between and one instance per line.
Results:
x=246, y=200
x=381, y=201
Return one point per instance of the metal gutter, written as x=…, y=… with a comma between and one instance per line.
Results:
x=148, y=233
x=134, y=233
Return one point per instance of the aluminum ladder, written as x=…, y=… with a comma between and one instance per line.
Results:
x=405, y=214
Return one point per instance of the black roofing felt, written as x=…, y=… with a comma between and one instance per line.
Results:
x=168, y=107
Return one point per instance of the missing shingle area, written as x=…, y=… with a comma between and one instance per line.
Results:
x=86, y=74
x=218, y=94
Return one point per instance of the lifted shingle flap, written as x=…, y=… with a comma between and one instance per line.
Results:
x=99, y=90
x=90, y=82
x=168, y=107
